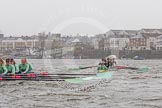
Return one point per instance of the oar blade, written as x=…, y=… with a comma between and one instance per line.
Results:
x=99, y=76
x=143, y=69
x=74, y=80
x=88, y=78
x=104, y=75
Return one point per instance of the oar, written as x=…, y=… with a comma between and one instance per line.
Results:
x=141, y=69
x=37, y=77
x=27, y=74
x=21, y=77
x=57, y=77
x=48, y=74
x=82, y=67
x=74, y=80
x=32, y=75
x=15, y=78
x=9, y=78
x=70, y=74
x=67, y=79
x=51, y=80
x=18, y=80
x=125, y=67
x=42, y=77
x=29, y=79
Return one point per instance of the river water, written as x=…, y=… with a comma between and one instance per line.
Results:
x=126, y=88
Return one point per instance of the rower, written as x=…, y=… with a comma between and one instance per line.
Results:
x=12, y=61
x=110, y=64
x=107, y=63
x=102, y=68
x=3, y=69
x=103, y=61
x=25, y=67
x=10, y=67
x=113, y=62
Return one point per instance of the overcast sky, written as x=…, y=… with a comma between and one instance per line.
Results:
x=27, y=17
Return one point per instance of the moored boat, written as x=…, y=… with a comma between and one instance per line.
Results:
x=138, y=58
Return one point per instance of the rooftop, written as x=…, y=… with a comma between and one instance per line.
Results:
x=76, y=41
x=137, y=37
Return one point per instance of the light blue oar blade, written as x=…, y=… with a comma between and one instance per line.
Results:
x=88, y=78
x=143, y=69
x=74, y=80
x=104, y=75
x=99, y=76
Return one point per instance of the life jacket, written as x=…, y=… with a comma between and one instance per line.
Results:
x=102, y=68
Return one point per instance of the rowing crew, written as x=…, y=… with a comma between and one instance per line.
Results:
x=106, y=63
x=10, y=67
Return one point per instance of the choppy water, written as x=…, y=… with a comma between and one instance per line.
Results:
x=126, y=89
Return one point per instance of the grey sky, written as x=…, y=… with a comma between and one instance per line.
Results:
x=27, y=17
